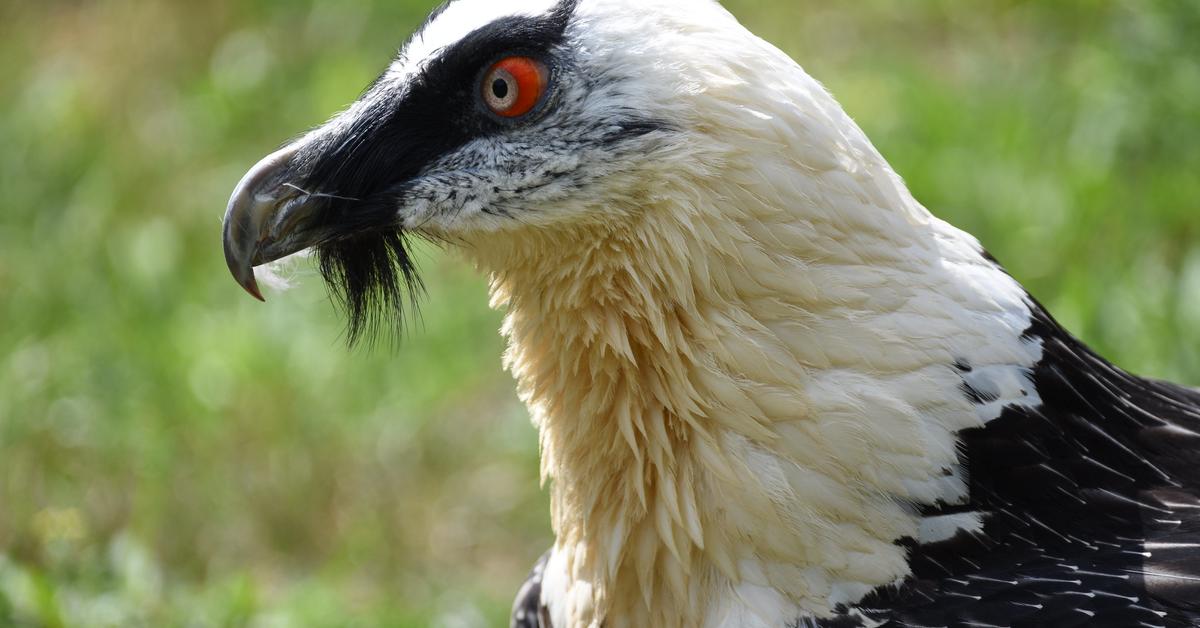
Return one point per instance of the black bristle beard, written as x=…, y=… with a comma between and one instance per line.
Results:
x=374, y=280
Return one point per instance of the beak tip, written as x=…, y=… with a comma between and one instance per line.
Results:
x=244, y=219
x=251, y=286
x=241, y=266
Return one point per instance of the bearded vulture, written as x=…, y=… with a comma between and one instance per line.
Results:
x=772, y=390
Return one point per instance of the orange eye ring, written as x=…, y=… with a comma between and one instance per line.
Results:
x=513, y=86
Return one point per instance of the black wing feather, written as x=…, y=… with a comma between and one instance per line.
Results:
x=1092, y=504
x=528, y=609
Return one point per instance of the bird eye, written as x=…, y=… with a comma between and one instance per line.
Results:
x=513, y=86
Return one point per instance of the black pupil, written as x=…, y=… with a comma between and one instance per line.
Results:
x=500, y=88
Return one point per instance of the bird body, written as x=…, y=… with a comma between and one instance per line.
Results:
x=771, y=388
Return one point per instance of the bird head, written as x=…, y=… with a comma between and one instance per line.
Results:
x=495, y=118
x=704, y=260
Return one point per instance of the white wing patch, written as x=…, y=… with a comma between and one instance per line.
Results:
x=945, y=527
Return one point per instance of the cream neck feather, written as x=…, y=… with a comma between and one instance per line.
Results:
x=738, y=408
x=742, y=382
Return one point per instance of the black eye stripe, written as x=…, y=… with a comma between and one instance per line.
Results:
x=400, y=131
x=396, y=132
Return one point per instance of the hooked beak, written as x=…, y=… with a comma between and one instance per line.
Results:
x=268, y=218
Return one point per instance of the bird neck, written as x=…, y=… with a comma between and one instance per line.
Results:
x=735, y=404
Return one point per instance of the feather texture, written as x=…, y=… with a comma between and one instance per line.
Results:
x=776, y=332
x=771, y=388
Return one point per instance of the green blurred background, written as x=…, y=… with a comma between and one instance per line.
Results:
x=173, y=453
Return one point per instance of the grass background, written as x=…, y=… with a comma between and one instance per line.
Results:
x=173, y=453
